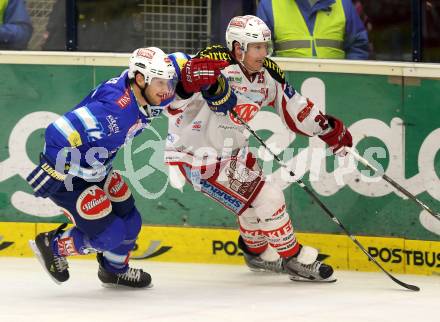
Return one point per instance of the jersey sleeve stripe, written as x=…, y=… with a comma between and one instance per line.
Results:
x=86, y=118
x=64, y=126
x=289, y=121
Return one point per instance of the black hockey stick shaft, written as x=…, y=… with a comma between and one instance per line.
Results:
x=394, y=183
x=322, y=205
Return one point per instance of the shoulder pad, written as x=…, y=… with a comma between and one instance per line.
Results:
x=274, y=70
x=217, y=52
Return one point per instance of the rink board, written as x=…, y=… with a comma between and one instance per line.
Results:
x=385, y=105
x=219, y=246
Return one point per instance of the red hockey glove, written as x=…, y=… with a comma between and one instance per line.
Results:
x=338, y=138
x=200, y=73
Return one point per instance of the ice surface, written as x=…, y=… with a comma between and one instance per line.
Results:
x=209, y=293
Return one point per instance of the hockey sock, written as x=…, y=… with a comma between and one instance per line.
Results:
x=71, y=242
x=116, y=260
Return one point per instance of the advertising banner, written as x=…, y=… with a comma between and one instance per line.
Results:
x=394, y=122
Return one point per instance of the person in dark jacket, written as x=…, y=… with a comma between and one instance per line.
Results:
x=102, y=25
x=15, y=25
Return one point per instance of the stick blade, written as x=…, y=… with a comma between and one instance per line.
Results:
x=405, y=285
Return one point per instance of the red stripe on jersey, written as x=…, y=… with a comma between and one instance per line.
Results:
x=250, y=160
x=305, y=111
x=272, y=104
x=174, y=112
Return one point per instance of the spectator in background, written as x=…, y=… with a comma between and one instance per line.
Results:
x=15, y=25
x=103, y=25
x=315, y=28
x=367, y=23
x=362, y=15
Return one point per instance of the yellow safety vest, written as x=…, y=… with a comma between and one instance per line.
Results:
x=3, y=5
x=293, y=39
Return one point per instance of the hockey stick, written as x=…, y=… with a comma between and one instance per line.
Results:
x=393, y=183
x=322, y=205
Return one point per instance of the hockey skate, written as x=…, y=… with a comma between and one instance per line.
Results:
x=56, y=266
x=133, y=278
x=258, y=264
x=306, y=268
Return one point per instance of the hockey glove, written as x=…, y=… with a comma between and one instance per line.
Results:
x=220, y=97
x=200, y=73
x=45, y=180
x=338, y=138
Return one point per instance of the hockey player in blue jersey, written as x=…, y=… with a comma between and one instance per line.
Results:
x=75, y=169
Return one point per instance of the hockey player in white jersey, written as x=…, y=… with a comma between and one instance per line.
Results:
x=208, y=145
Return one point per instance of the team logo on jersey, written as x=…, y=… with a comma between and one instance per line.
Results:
x=239, y=88
x=197, y=125
x=113, y=126
x=241, y=179
x=289, y=91
x=245, y=111
x=124, y=100
x=93, y=203
x=235, y=79
x=116, y=188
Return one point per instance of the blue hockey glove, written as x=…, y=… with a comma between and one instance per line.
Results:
x=45, y=180
x=220, y=96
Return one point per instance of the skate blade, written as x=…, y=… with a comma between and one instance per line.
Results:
x=124, y=287
x=331, y=279
x=37, y=253
x=265, y=271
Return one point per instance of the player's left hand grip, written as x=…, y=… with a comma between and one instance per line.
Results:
x=44, y=179
x=223, y=99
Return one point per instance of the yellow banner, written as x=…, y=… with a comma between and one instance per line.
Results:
x=219, y=246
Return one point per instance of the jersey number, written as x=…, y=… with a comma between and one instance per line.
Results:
x=322, y=121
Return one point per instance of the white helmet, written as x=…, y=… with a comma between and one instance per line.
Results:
x=151, y=62
x=246, y=30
